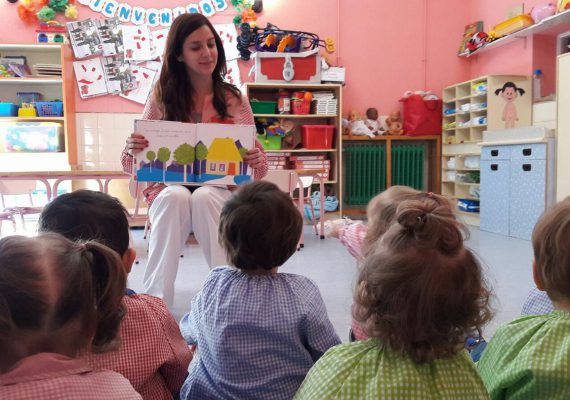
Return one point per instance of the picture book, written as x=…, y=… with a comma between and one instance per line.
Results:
x=194, y=154
x=118, y=75
x=85, y=39
x=90, y=78
x=470, y=30
x=136, y=39
x=111, y=34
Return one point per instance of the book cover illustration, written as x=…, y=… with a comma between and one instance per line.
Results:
x=470, y=30
x=85, y=39
x=119, y=75
x=228, y=34
x=90, y=78
x=145, y=80
x=158, y=43
x=111, y=34
x=194, y=154
x=136, y=40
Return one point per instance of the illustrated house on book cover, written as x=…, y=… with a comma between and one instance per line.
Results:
x=196, y=154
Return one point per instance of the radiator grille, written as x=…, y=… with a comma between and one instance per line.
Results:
x=408, y=165
x=365, y=169
x=365, y=172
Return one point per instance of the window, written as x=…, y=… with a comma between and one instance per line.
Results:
x=222, y=167
x=213, y=167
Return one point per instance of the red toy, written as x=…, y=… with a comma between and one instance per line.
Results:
x=477, y=40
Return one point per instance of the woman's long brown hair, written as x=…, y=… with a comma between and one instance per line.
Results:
x=174, y=89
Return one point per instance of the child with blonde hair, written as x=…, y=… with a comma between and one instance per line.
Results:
x=529, y=357
x=153, y=356
x=59, y=299
x=418, y=297
x=257, y=331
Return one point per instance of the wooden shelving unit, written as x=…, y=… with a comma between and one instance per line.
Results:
x=51, y=88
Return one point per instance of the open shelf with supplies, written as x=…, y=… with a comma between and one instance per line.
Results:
x=315, y=142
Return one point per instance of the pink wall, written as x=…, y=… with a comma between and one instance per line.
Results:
x=387, y=47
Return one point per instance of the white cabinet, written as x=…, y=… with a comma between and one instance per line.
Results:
x=563, y=129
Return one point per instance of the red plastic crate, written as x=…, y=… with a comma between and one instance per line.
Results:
x=318, y=136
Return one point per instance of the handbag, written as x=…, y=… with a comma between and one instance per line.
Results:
x=421, y=117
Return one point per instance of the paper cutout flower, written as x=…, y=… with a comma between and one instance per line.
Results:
x=46, y=14
x=27, y=12
x=71, y=11
x=58, y=5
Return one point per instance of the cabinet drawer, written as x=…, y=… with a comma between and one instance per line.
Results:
x=533, y=151
x=496, y=153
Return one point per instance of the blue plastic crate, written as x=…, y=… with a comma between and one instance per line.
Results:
x=8, y=110
x=49, y=108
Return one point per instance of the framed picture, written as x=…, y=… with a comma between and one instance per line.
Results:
x=470, y=30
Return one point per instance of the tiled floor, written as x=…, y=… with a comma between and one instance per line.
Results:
x=507, y=265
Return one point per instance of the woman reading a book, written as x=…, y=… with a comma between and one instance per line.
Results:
x=190, y=89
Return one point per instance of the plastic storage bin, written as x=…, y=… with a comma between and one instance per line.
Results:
x=8, y=110
x=28, y=97
x=263, y=107
x=270, y=142
x=317, y=136
x=32, y=137
x=49, y=108
x=467, y=205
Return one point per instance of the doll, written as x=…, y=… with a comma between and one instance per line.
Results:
x=373, y=122
x=357, y=125
x=394, y=123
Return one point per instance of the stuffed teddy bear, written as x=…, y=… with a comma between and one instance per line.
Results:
x=394, y=123
x=373, y=122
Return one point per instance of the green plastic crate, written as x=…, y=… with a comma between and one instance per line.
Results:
x=263, y=107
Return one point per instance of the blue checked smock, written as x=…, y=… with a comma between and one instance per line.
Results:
x=257, y=336
x=537, y=303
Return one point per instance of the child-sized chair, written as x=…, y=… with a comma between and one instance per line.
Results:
x=19, y=188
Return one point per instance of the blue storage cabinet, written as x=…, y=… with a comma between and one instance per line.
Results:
x=517, y=184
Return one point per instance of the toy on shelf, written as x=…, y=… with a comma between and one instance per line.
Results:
x=394, y=123
x=357, y=125
x=542, y=11
x=51, y=32
x=477, y=41
x=373, y=122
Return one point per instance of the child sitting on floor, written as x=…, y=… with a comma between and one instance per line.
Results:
x=257, y=331
x=528, y=358
x=418, y=296
x=153, y=356
x=360, y=239
x=57, y=300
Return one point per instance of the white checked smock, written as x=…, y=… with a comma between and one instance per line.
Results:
x=257, y=336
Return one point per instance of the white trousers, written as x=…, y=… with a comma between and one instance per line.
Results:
x=173, y=215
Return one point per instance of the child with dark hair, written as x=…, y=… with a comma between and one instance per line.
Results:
x=528, y=358
x=153, y=357
x=59, y=299
x=258, y=332
x=418, y=297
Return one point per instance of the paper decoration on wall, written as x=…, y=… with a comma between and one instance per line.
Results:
x=145, y=81
x=90, y=78
x=119, y=75
x=85, y=39
x=111, y=34
x=233, y=75
x=228, y=34
x=136, y=40
x=194, y=154
x=158, y=42
x=152, y=16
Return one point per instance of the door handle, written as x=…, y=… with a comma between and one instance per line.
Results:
x=494, y=153
x=527, y=167
x=527, y=152
x=494, y=167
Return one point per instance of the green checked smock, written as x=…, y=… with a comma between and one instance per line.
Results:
x=370, y=370
x=529, y=358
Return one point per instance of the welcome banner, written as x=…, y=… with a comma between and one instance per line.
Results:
x=152, y=16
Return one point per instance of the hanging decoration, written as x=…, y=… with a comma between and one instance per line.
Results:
x=30, y=11
x=247, y=10
x=151, y=16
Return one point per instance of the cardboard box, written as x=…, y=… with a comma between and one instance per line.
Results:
x=302, y=67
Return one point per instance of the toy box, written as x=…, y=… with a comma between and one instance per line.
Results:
x=512, y=25
x=32, y=137
x=263, y=107
x=318, y=136
x=302, y=67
